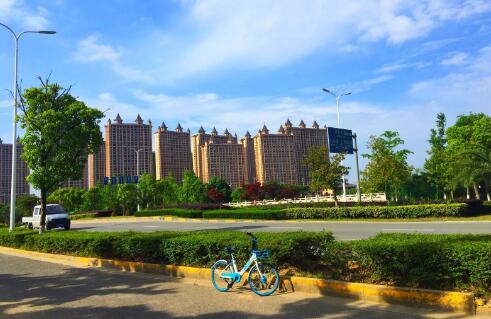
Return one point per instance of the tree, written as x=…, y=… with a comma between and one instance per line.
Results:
x=477, y=164
x=192, y=189
x=326, y=171
x=127, y=197
x=470, y=134
x=167, y=190
x=24, y=205
x=60, y=132
x=387, y=169
x=436, y=165
x=238, y=194
x=93, y=199
x=4, y=213
x=147, y=190
x=252, y=192
x=218, y=190
x=68, y=197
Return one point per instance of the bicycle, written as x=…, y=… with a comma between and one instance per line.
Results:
x=263, y=278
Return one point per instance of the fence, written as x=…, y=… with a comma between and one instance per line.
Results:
x=371, y=198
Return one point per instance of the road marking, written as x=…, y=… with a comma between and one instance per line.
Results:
x=408, y=229
x=150, y=226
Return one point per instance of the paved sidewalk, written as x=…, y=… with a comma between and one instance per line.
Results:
x=34, y=289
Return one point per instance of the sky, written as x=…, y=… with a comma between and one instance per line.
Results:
x=239, y=64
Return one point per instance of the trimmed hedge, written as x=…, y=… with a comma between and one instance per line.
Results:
x=180, y=212
x=447, y=262
x=246, y=213
x=409, y=211
x=202, y=249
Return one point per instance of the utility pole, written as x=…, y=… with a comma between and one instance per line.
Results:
x=358, y=189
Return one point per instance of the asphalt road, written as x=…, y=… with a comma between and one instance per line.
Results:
x=34, y=289
x=341, y=230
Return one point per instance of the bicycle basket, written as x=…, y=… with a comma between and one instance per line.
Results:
x=262, y=253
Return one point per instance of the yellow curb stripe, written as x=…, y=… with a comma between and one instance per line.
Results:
x=456, y=301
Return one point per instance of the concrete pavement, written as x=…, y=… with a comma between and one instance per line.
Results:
x=34, y=289
x=348, y=230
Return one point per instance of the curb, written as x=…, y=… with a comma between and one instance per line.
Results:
x=455, y=301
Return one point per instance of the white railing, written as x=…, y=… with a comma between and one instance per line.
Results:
x=373, y=198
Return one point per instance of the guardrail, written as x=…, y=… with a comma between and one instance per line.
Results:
x=370, y=198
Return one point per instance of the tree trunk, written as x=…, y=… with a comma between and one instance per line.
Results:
x=468, y=193
x=42, y=221
x=487, y=195
x=451, y=194
x=335, y=198
x=444, y=195
x=476, y=191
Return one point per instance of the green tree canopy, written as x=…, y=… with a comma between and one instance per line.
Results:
x=60, y=132
x=387, y=169
x=168, y=190
x=221, y=186
x=326, y=171
x=147, y=190
x=68, y=197
x=469, y=143
x=192, y=189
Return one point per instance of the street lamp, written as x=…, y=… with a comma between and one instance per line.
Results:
x=137, y=151
x=14, y=131
x=338, y=97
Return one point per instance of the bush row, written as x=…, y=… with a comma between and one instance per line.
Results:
x=410, y=211
x=447, y=262
x=179, y=212
x=202, y=249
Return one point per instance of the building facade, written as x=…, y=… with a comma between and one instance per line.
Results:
x=304, y=139
x=97, y=166
x=79, y=183
x=275, y=157
x=249, y=159
x=22, y=186
x=223, y=160
x=172, y=152
x=199, y=140
x=128, y=148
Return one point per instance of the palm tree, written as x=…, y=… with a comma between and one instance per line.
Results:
x=478, y=165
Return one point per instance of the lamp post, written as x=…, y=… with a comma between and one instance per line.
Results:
x=14, y=130
x=338, y=98
x=137, y=151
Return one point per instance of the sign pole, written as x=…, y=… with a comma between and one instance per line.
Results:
x=358, y=189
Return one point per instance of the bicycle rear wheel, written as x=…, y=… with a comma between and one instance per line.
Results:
x=264, y=281
x=220, y=283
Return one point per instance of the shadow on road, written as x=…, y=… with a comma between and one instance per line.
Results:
x=62, y=292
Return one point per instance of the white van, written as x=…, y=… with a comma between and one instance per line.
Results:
x=56, y=217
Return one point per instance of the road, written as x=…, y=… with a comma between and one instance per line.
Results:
x=341, y=230
x=34, y=289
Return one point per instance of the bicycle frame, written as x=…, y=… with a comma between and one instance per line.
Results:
x=236, y=276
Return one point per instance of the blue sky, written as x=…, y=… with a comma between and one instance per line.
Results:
x=240, y=64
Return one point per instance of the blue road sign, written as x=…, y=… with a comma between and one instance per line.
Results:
x=340, y=140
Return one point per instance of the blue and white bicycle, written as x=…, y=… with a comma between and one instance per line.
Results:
x=263, y=277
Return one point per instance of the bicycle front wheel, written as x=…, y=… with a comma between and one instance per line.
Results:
x=219, y=268
x=265, y=280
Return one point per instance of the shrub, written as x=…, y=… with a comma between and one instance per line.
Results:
x=299, y=249
x=410, y=211
x=180, y=212
x=91, y=214
x=448, y=262
x=246, y=213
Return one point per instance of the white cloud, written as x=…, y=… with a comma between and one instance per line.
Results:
x=455, y=59
x=389, y=68
x=90, y=50
x=18, y=12
x=467, y=89
x=218, y=35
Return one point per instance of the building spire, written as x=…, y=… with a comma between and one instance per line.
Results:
x=214, y=131
x=201, y=130
x=315, y=125
x=302, y=124
x=139, y=120
x=179, y=127
x=265, y=130
x=164, y=127
x=288, y=124
x=247, y=134
x=118, y=119
x=281, y=130
x=226, y=132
